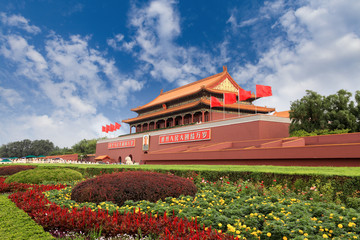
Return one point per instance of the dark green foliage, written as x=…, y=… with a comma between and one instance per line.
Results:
x=316, y=112
x=10, y=170
x=41, y=175
x=61, y=151
x=26, y=147
x=308, y=113
x=303, y=133
x=136, y=186
x=85, y=146
x=339, y=111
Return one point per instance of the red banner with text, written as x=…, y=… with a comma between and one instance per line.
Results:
x=198, y=135
x=122, y=144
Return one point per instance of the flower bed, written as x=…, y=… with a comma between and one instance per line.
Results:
x=60, y=219
x=246, y=210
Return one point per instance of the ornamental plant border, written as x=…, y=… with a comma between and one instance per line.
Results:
x=53, y=218
x=343, y=186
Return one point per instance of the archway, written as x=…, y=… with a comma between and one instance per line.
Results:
x=151, y=126
x=169, y=122
x=160, y=124
x=132, y=129
x=178, y=121
x=206, y=116
x=187, y=119
x=198, y=117
x=145, y=127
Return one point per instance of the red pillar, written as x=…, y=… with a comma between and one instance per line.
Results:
x=182, y=120
x=192, y=118
x=203, y=116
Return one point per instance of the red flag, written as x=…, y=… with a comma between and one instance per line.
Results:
x=214, y=102
x=107, y=128
x=244, y=95
x=117, y=126
x=263, y=91
x=112, y=127
x=229, y=98
x=103, y=129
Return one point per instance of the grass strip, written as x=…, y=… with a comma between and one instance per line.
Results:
x=16, y=224
x=327, y=171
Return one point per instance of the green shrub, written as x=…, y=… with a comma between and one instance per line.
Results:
x=303, y=133
x=39, y=176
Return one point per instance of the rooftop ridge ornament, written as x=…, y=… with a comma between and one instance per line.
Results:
x=224, y=68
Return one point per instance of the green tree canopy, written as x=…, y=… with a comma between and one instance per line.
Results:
x=26, y=147
x=316, y=112
x=85, y=146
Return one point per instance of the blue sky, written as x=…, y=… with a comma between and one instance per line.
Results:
x=69, y=67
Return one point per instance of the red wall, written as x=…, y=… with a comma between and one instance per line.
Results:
x=236, y=132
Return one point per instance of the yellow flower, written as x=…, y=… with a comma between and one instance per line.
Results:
x=325, y=236
x=220, y=225
x=301, y=231
x=305, y=234
x=340, y=225
x=268, y=234
x=237, y=232
x=351, y=224
x=284, y=238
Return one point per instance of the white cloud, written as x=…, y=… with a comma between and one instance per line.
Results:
x=320, y=52
x=72, y=79
x=10, y=96
x=157, y=25
x=20, y=22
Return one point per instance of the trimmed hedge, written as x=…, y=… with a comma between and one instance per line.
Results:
x=16, y=224
x=39, y=176
x=10, y=170
x=136, y=186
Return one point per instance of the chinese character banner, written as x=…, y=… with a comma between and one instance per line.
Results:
x=199, y=135
x=122, y=144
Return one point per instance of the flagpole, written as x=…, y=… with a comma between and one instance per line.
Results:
x=239, y=103
x=224, y=106
x=255, y=105
x=210, y=109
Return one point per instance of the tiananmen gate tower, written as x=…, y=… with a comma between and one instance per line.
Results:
x=210, y=122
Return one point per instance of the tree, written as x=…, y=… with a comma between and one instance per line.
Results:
x=26, y=147
x=334, y=112
x=42, y=147
x=308, y=113
x=340, y=111
x=356, y=111
x=85, y=146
